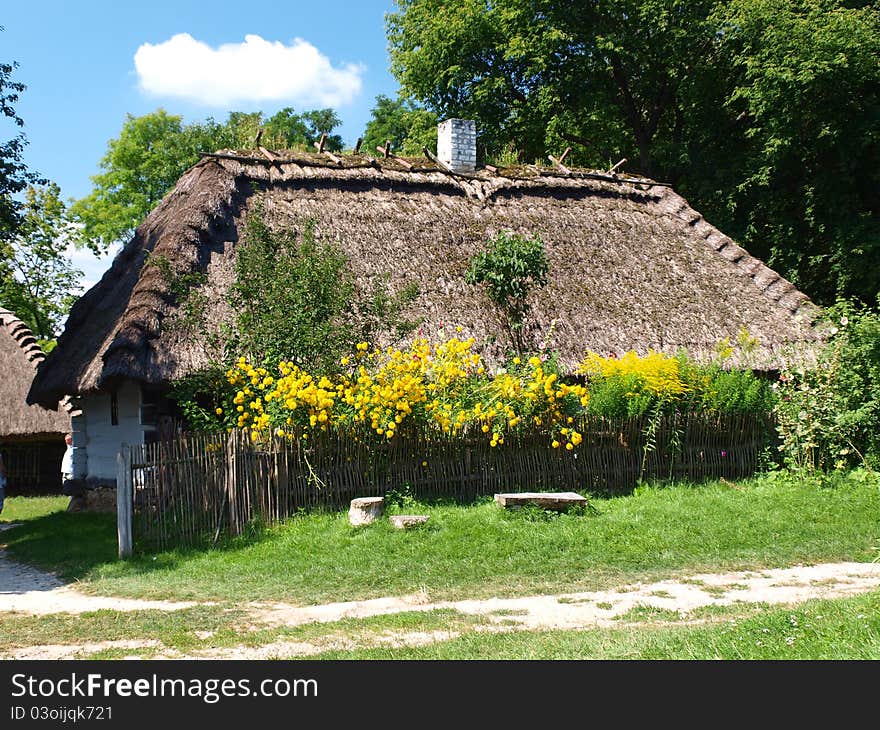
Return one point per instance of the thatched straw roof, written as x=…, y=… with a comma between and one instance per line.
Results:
x=632, y=266
x=20, y=355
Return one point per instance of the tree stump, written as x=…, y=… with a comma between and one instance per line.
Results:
x=365, y=510
x=404, y=522
x=557, y=501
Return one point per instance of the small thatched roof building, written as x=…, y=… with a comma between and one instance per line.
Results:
x=20, y=355
x=31, y=437
x=632, y=265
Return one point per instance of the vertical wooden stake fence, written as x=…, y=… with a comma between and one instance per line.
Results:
x=123, y=500
x=197, y=488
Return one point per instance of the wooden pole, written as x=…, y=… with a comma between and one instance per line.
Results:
x=558, y=163
x=268, y=155
x=230, y=479
x=123, y=500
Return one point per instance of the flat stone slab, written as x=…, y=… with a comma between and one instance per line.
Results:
x=404, y=522
x=365, y=510
x=558, y=501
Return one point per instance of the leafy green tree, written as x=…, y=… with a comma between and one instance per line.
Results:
x=287, y=130
x=605, y=74
x=323, y=121
x=140, y=166
x=14, y=174
x=408, y=126
x=154, y=150
x=510, y=268
x=794, y=149
x=37, y=280
x=764, y=113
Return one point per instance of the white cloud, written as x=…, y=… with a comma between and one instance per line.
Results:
x=254, y=71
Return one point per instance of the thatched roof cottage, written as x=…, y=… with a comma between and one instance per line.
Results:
x=31, y=437
x=632, y=266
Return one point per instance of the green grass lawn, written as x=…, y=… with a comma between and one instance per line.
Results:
x=478, y=550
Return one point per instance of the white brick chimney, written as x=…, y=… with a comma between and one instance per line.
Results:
x=457, y=144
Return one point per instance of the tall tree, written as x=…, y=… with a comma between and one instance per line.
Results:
x=802, y=106
x=14, y=174
x=140, y=166
x=408, y=126
x=763, y=112
x=38, y=281
x=288, y=130
x=154, y=150
x=605, y=74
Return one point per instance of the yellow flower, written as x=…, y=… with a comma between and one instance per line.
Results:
x=218, y=411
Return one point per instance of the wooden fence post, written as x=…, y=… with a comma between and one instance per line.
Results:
x=231, y=482
x=123, y=500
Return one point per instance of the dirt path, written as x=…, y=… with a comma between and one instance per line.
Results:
x=31, y=591
x=28, y=590
x=597, y=608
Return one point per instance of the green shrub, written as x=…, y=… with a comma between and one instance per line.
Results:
x=737, y=391
x=632, y=386
x=618, y=397
x=829, y=414
x=292, y=296
x=510, y=268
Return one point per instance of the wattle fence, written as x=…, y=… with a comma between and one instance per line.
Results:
x=194, y=489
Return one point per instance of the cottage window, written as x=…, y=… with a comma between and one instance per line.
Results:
x=150, y=401
x=114, y=410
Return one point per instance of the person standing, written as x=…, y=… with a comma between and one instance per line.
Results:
x=70, y=486
x=67, y=462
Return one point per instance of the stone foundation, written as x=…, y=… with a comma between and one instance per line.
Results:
x=98, y=499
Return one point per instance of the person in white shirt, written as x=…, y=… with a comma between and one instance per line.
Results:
x=70, y=486
x=67, y=461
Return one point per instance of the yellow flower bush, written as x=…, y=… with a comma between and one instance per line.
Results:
x=655, y=373
x=441, y=387
x=444, y=389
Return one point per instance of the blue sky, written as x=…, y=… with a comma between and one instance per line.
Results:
x=78, y=62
